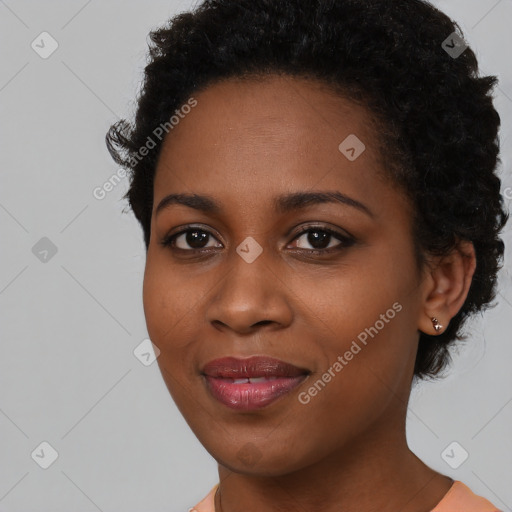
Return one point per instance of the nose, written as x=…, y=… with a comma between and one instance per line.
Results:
x=251, y=296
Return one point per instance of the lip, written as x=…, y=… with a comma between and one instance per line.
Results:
x=266, y=380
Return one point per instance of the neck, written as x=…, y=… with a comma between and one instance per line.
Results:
x=375, y=473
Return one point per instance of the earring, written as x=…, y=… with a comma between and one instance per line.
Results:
x=436, y=324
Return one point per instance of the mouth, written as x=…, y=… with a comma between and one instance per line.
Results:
x=251, y=383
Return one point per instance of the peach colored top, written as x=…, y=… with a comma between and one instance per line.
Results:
x=459, y=498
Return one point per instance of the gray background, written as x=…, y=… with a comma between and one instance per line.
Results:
x=69, y=325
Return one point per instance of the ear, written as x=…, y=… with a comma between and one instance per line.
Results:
x=446, y=286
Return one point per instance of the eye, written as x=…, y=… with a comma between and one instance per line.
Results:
x=322, y=240
x=190, y=240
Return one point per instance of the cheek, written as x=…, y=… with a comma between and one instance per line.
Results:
x=168, y=307
x=157, y=308
x=361, y=382
x=168, y=301
x=366, y=330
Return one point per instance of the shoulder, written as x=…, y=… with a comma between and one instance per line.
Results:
x=460, y=498
x=207, y=504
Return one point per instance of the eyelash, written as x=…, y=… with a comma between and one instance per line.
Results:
x=345, y=241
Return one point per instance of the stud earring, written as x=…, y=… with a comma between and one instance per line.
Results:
x=436, y=324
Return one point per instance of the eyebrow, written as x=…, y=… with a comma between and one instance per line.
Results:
x=282, y=204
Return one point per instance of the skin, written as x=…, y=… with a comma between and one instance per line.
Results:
x=245, y=143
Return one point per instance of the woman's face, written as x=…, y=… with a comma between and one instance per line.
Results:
x=246, y=281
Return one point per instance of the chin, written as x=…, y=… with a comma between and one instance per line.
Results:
x=260, y=461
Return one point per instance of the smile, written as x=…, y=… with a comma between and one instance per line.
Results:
x=252, y=383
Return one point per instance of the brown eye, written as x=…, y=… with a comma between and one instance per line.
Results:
x=190, y=239
x=321, y=240
x=318, y=239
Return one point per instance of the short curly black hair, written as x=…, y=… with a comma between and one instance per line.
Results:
x=436, y=116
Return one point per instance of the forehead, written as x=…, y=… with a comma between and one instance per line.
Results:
x=273, y=108
x=261, y=136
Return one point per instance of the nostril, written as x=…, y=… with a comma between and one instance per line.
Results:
x=262, y=322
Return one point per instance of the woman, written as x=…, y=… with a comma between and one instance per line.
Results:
x=315, y=181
